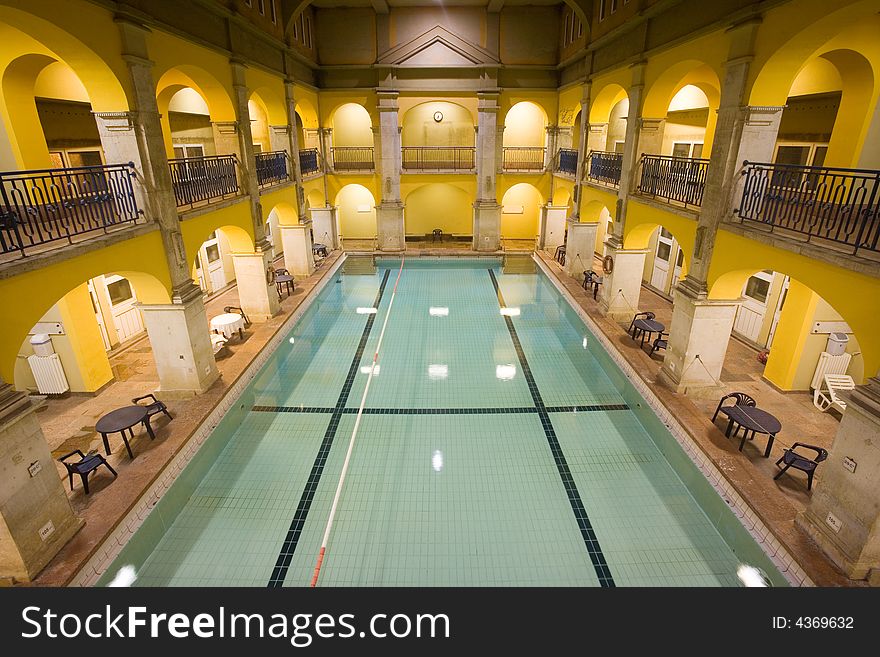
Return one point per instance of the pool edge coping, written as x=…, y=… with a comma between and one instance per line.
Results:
x=111, y=545
x=784, y=561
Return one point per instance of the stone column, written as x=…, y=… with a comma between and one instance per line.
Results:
x=499, y=148
x=651, y=136
x=36, y=519
x=162, y=208
x=552, y=227
x=597, y=137
x=843, y=516
x=297, y=241
x=279, y=139
x=389, y=212
x=258, y=299
x=583, y=151
x=697, y=343
x=487, y=211
x=294, y=147
x=327, y=149
x=325, y=226
x=579, y=248
x=552, y=148
x=180, y=339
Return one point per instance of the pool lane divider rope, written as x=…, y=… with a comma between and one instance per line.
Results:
x=357, y=423
x=591, y=541
x=285, y=555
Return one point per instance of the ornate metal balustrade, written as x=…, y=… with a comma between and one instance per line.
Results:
x=523, y=158
x=677, y=179
x=437, y=158
x=353, y=158
x=567, y=161
x=272, y=168
x=200, y=179
x=828, y=203
x=45, y=205
x=308, y=161
x=605, y=167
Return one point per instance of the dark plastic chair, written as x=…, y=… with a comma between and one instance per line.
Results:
x=155, y=406
x=592, y=279
x=660, y=342
x=644, y=315
x=435, y=234
x=792, y=459
x=236, y=309
x=86, y=465
x=742, y=399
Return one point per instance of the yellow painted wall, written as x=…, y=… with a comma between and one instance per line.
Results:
x=420, y=128
x=855, y=297
x=792, y=335
x=259, y=124
x=525, y=125
x=521, y=212
x=84, y=345
x=642, y=220
x=357, y=212
x=352, y=126
x=235, y=220
x=439, y=205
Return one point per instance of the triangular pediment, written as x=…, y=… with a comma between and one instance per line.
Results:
x=438, y=47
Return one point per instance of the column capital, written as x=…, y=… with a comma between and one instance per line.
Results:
x=226, y=127
x=12, y=403
x=758, y=115
x=117, y=121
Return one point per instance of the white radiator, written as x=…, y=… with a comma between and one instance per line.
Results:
x=829, y=364
x=49, y=374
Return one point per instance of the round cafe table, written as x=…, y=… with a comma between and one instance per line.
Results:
x=227, y=324
x=122, y=420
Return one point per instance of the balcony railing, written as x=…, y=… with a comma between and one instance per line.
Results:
x=353, y=158
x=202, y=179
x=605, y=167
x=272, y=168
x=437, y=158
x=840, y=205
x=308, y=161
x=523, y=158
x=46, y=205
x=567, y=161
x=678, y=179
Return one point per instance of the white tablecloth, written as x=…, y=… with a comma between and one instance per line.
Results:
x=227, y=324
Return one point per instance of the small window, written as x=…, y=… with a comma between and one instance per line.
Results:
x=679, y=261
x=273, y=11
x=665, y=233
x=119, y=291
x=262, y=6
x=697, y=151
x=213, y=252
x=85, y=158
x=613, y=6
x=681, y=149
x=819, y=156
x=309, y=32
x=618, y=147
x=258, y=148
x=663, y=250
x=580, y=29
x=602, y=10
x=758, y=289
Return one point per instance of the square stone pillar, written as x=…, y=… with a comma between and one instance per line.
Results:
x=487, y=226
x=36, y=520
x=181, y=343
x=325, y=226
x=257, y=297
x=552, y=227
x=298, y=257
x=226, y=140
x=597, y=137
x=391, y=231
x=389, y=212
x=698, y=338
x=487, y=211
x=620, y=290
x=579, y=248
x=843, y=516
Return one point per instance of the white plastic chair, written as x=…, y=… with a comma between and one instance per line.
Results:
x=217, y=342
x=833, y=383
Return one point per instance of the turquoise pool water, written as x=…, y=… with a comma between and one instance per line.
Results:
x=500, y=446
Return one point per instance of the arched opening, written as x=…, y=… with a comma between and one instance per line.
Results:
x=598, y=212
x=437, y=135
x=521, y=214
x=438, y=206
x=356, y=215
x=352, y=138
x=213, y=261
x=282, y=214
x=576, y=130
x=525, y=131
x=260, y=130
x=795, y=326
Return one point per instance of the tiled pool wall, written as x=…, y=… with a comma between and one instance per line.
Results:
x=744, y=532
x=746, y=536
x=157, y=509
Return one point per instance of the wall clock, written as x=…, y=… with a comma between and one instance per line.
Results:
x=438, y=116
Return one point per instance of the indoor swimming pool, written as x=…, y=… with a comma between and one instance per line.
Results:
x=500, y=445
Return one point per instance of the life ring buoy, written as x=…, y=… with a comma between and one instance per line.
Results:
x=608, y=264
x=270, y=276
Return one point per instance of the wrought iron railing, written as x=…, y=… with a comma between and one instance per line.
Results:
x=840, y=205
x=272, y=168
x=567, y=161
x=678, y=179
x=202, y=179
x=353, y=158
x=605, y=167
x=523, y=158
x=308, y=161
x=437, y=158
x=45, y=205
